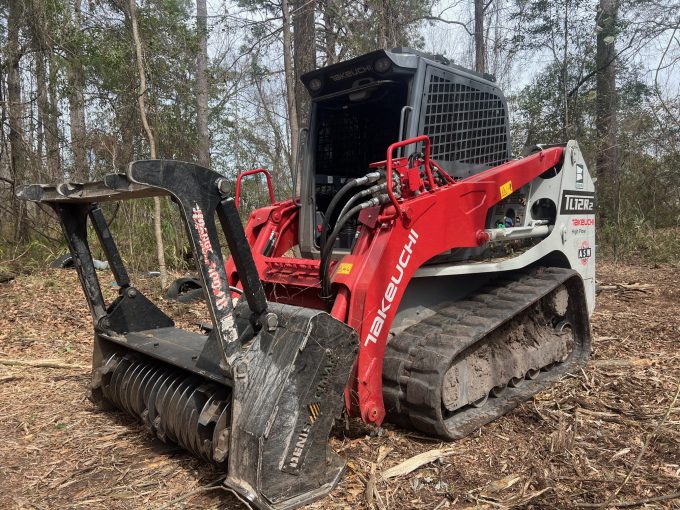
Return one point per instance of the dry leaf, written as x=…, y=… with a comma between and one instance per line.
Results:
x=500, y=485
x=415, y=462
x=620, y=453
x=383, y=452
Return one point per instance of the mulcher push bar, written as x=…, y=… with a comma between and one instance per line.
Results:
x=199, y=193
x=284, y=367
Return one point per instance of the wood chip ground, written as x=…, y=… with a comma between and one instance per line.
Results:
x=571, y=446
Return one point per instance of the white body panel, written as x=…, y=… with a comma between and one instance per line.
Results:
x=573, y=234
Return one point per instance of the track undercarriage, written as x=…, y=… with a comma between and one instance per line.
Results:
x=477, y=358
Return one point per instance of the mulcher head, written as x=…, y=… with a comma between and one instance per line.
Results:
x=259, y=394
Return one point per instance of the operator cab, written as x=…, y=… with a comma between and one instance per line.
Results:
x=362, y=106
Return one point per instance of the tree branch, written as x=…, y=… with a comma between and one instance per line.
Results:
x=592, y=73
x=656, y=76
x=448, y=21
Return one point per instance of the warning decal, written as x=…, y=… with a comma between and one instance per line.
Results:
x=506, y=189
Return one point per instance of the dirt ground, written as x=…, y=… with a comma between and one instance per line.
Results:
x=576, y=445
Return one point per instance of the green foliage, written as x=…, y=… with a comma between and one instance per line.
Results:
x=35, y=254
x=637, y=242
x=248, y=115
x=560, y=104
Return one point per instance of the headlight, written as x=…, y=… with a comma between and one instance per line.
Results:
x=382, y=64
x=315, y=84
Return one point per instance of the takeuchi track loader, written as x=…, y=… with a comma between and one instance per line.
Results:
x=420, y=275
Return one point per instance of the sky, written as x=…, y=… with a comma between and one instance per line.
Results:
x=453, y=41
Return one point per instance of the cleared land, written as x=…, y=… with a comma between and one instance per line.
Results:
x=572, y=446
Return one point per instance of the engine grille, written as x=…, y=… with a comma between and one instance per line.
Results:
x=467, y=125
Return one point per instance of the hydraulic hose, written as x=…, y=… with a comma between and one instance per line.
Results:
x=352, y=183
x=376, y=188
x=327, y=249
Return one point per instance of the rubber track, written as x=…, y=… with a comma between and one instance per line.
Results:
x=417, y=359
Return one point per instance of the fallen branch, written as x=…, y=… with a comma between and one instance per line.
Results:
x=9, y=378
x=41, y=363
x=640, y=287
x=213, y=486
x=370, y=490
x=373, y=497
x=238, y=497
x=415, y=462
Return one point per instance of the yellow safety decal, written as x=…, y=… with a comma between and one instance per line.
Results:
x=314, y=410
x=506, y=189
x=345, y=268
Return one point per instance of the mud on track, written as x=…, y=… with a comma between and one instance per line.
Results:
x=569, y=447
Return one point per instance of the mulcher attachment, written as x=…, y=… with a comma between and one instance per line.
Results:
x=175, y=406
x=257, y=395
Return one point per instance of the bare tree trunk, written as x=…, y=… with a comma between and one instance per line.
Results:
x=46, y=113
x=77, y=106
x=329, y=31
x=18, y=149
x=290, y=84
x=40, y=94
x=141, y=101
x=385, y=23
x=607, y=159
x=280, y=151
x=480, y=44
x=304, y=53
x=52, y=133
x=5, y=170
x=565, y=75
x=202, y=91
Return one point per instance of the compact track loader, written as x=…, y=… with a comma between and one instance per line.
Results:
x=420, y=275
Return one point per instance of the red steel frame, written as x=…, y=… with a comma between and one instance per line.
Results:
x=268, y=176
x=393, y=243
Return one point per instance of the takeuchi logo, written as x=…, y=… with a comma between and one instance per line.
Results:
x=351, y=73
x=392, y=289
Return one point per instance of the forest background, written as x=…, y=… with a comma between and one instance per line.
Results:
x=218, y=82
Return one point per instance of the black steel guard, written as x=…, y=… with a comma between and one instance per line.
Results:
x=200, y=194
